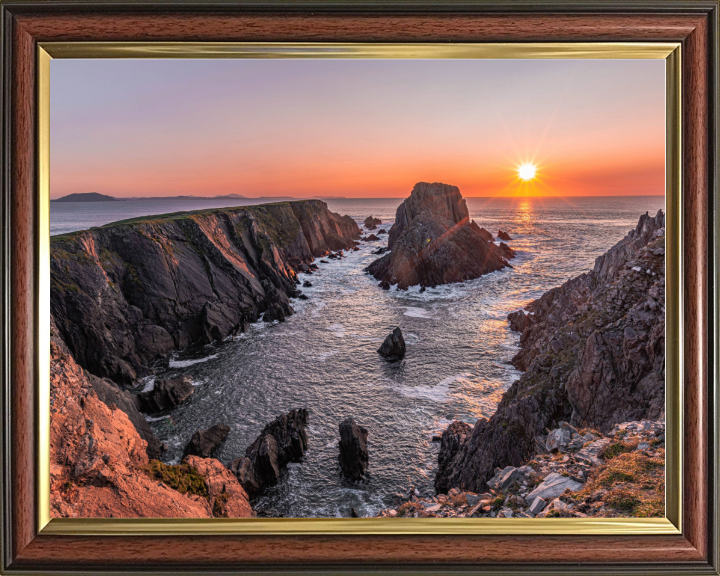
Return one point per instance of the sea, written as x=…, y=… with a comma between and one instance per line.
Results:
x=324, y=357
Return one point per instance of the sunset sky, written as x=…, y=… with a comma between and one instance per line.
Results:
x=356, y=128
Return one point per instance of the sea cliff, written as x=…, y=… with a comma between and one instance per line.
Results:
x=593, y=352
x=129, y=293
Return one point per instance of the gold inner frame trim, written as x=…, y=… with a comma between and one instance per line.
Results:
x=671, y=524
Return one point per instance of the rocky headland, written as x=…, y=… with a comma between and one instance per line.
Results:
x=127, y=294
x=433, y=241
x=593, y=354
x=124, y=296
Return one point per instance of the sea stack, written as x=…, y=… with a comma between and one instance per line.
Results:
x=394, y=345
x=354, y=456
x=433, y=241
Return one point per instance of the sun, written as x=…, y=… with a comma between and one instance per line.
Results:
x=526, y=171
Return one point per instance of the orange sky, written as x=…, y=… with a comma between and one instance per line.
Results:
x=356, y=128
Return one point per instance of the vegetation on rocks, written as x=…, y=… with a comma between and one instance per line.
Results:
x=181, y=477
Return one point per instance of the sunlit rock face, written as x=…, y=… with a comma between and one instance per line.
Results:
x=434, y=242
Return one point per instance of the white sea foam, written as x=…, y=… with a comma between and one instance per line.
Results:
x=437, y=393
x=338, y=330
x=415, y=312
x=154, y=418
x=149, y=384
x=186, y=363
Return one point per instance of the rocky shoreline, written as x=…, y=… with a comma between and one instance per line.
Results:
x=129, y=293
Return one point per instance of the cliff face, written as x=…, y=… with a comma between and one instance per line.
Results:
x=97, y=460
x=593, y=351
x=126, y=294
x=433, y=242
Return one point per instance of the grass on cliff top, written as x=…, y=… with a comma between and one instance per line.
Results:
x=181, y=477
x=635, y=482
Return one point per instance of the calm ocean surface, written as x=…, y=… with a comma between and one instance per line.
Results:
x=324, y=357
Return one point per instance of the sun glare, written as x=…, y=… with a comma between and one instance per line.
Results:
x=526, y=171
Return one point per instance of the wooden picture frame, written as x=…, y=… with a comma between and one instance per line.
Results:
x=29, y=546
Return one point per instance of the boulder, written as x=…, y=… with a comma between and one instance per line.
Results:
x=537, y=506
x=553, y=486
x=382, y=231
x=167, y=393
x=558, y=439
x=504, y=478
x=591, y=452
x=394, y=345
x=370, y=238
x=353, y=449
x=503, y=236
x=281, y=441
x=205, y=442
x=307, y=284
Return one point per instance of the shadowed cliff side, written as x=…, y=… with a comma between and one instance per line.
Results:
x=126, y=294
x=593, y=351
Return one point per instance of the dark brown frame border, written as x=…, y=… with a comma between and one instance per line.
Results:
x=694, y=23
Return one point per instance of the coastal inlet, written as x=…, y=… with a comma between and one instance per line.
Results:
x=324, y=357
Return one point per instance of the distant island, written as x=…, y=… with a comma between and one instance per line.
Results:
x=87, y=197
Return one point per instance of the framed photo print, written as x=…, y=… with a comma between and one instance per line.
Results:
x=359, y=287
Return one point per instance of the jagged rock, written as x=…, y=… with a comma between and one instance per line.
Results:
x=504, y=478
x=353, y=449
x=129, y=293
x=204, y=442
x=394, y=345
x=537, y=506
x=433, y=241
x=506, y=251
x=485, y=234
x=307, y=284
x=382, y=231
x=591, y=452
x=453, y=437
x=559, y=438
x=594, y=355
x=281, y=441
x=503, y=236
x=112, y=395
x=519, y=321
x=167, y=393
x=370, y=238
x=372, y=223
x=553, y=486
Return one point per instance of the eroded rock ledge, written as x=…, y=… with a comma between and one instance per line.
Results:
x=126, y=294
x=593, y=351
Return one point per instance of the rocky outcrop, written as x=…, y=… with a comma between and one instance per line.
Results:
x=503, y=236
x=433, y=242
x=593, y=354
x=372, y=223
x=129, y=293
x=394, y=345
x=204, y=442
x=227, y=499
x=486, y=235
x=354, y=456
x=114, y=397
x=166, y=393
x=453, y=437
x=282, y=441
x=519, y=321
x=98, y=462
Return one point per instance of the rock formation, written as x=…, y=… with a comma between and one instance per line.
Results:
x=129, y=293
x=433, y=241
x=394, y=345
x=503, y=236
x=353, y=449
x=99, y=465
x=167, y=393
x=593, y=354
x=204, y=442
x=281, y=441
x=372, y=223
